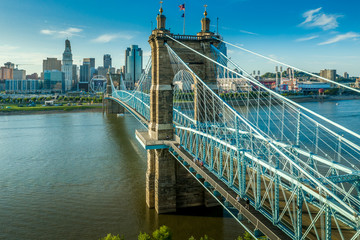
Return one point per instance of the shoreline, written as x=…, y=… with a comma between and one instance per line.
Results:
x=50, y=111
x=300, y=99
x=297, y=99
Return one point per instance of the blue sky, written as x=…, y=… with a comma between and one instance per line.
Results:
x=312, y=35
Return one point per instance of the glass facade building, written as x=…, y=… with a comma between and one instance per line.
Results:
x=133, y=65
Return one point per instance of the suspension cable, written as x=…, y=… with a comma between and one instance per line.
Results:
x=287, y=65
x=278, y=95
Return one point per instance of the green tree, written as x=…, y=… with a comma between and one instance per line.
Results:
x=112, y=237
x=246, y=236
x=33, y=99
x=205, y=237
x=144, y=236
x=163, y=233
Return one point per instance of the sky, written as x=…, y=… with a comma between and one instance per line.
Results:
x=309, y=34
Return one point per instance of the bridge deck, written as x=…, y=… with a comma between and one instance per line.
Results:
x=256, y=218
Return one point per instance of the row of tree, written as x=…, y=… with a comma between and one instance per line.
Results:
x=164, y=233
x=63, y=99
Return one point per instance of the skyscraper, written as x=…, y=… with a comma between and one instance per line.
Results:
x=50, y=64
x=67, y=65
x=84, y=77
x=85, y=73
x=90, y=61
x=133, y=65
x=107, y=61
x=75, y=77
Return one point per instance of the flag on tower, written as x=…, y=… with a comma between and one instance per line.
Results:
x=182, y=7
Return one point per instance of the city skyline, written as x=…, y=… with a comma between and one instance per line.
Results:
x=313, y=36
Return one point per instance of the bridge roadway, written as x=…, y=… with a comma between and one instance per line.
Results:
x=137, y=115
x=212, y=183
x=205, y=176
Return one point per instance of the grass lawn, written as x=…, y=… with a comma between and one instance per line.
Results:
x=14, y=108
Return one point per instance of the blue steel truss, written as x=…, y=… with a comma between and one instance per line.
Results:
x=282, y=180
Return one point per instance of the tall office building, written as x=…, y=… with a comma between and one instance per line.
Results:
x=346, y=75
x=19, y=74
x=90, y=61
x=133, y=65
x=7, y=72
x=107, y=61
x=328, y=73
x=50, y=64
x=85, y=73
x=67, y=65
x=54, y=80
x=75, y=76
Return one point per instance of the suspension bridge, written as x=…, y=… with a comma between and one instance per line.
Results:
x=280, y=169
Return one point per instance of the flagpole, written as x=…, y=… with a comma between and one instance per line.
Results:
x=184, y=23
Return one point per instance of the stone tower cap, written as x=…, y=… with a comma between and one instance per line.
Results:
x=67, y=44
x=205, y=22
x=161, y=18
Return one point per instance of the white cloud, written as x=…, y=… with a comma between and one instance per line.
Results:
x=69, y=32
x=309, y=15
x=314, y=18
x=47, y=32
x=5, y=48
x=306, y=38
x=105, y=38
x=247, y=32
x=341, y=37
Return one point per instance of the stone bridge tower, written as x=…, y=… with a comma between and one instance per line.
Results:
x=168, y=185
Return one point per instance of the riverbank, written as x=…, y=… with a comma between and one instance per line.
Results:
x=15, y=110
x=317, y=98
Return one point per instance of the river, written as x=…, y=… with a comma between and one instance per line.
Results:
x=82, y=175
